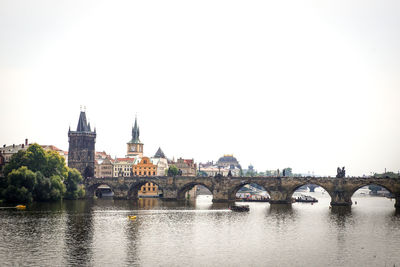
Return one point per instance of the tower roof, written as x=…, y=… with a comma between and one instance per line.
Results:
x=135, y=134
x=82, y=123
x=159, y=154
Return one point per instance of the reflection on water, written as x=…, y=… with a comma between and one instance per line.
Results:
x=201, y=233
x=78, y=232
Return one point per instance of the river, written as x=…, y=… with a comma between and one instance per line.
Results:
x=199, y=233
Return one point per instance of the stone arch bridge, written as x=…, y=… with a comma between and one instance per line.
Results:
x=224, y=189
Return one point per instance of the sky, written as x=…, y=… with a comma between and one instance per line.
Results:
x=310, y=85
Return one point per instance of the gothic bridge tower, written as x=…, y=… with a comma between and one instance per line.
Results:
x=81, y=152
x=135, y=147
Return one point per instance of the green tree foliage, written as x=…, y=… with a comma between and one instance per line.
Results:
x=57, y=187
x=21, y=183
x=35, y=158
x=39, y=175
x=17, y=160
x=173, y=170
x=55, y=165
x=72, y=183
x=3, y=185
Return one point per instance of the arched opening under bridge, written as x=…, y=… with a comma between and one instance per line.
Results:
x=103, y=191
x=372, y=196
x=250, y=192
x=195, y=191
x=312, y=194
x=145, y=189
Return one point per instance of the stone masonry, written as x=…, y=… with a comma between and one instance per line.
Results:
x=224, y=189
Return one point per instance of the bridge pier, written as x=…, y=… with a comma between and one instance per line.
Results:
x=341, y=198
x=280, y=197
x=170, y=194
x=397, y=203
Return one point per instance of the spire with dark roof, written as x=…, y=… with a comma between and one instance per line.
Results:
x=82, y=123
x=159, y=154
x=135, y=133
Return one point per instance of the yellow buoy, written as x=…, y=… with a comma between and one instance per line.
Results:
x=21, y=207
x=132, y=217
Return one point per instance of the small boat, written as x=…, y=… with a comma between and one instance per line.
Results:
x=20, y=207
x=307, y=199
x=132, y=217
x=240, y=208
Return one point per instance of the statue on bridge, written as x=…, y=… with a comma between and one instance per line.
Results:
x=341, y=173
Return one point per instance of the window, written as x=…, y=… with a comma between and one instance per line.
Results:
x=154, y=173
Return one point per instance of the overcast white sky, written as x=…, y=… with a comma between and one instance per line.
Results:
x=308, y=84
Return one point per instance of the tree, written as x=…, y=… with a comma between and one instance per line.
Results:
x=47, y=188
x=21, y=183
x=17, y=160
x=36, y=174
x=173, y=170
x=55, y=165
x=35, y=158
x=73, y=188
x=57, y=187
x=43, y=188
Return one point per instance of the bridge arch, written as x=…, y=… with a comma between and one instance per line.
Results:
x=353, y=190
x=187, y=187
x=133, y=192
x=294, y=189
x=236, y=188
x=91, y=190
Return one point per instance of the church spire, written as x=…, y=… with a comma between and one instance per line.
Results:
x=82, y=123
x=135, y=133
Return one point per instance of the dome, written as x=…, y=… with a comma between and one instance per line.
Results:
x=228, y=159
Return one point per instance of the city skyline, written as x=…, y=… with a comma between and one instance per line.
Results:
x=312, y=86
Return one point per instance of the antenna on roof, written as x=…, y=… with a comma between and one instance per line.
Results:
x=84, y=108
x=81, y=107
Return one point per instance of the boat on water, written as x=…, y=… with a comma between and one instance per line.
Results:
x=240, y=208
x=305, y=198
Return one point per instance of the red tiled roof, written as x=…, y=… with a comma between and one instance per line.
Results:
x=188, y=161
x=51, y=147
x=125, y=159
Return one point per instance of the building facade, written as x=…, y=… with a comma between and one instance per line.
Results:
x=187, y=166
x=8, y=151
x=81, y=152
x=228, y=161
x=146, y=168
x=161, y=162
x=122, y=167
x=103, y=165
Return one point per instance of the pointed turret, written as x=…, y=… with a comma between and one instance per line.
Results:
x=159, y=154
x=82, y=123
x=135, y=133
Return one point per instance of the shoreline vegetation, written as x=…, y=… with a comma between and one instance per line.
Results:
x=39, y=175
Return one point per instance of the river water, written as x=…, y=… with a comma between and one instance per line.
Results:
x=200, y=233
